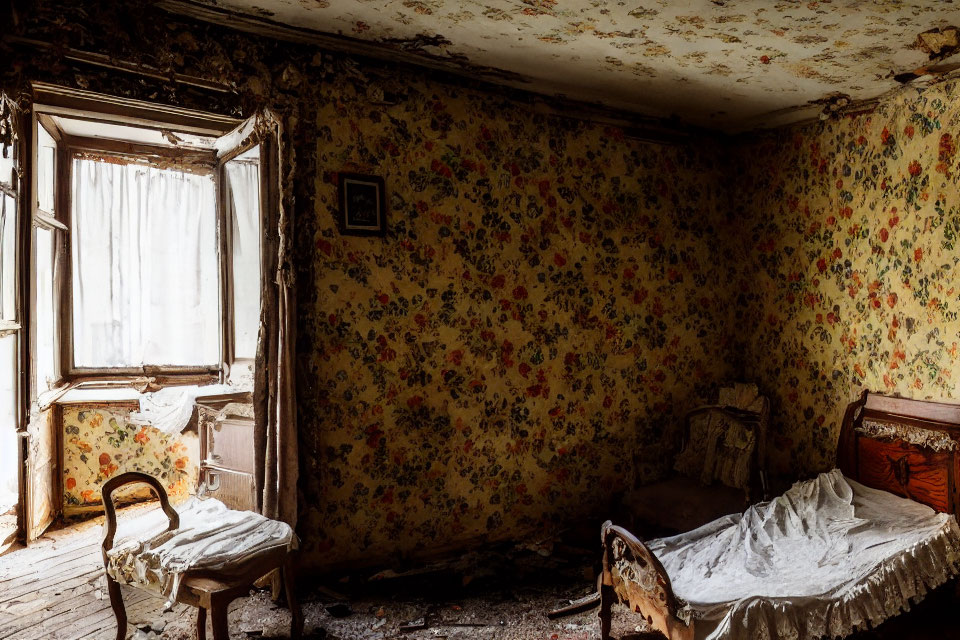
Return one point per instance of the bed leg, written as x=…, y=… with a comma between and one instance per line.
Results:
x=606, y=603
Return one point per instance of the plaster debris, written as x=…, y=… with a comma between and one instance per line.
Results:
x=939, y=43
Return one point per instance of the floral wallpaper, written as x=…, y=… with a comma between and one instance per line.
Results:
x=851, y=265
x=552, y=295
x=760, y=62
x=547, y=303
x=99, y=443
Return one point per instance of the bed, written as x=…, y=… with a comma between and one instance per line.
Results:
x=832, y=555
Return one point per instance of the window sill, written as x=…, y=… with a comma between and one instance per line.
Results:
x=81, y=396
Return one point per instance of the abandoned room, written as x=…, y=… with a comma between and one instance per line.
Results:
x=479, y=319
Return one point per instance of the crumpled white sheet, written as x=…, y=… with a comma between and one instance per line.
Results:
x=170, y=408
x=210, y=536
x=827, y=557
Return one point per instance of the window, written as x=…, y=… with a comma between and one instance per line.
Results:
x=243, y=211
x=146, y=251
x=46, y=236
x=8, y=262
x=8, y=422
x=44, y=309
x=10, y=329
x=145, y=267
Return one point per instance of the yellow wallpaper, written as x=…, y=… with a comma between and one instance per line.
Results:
x=852, y=265
x=550, y=298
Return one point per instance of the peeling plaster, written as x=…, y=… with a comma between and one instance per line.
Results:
x=765, y=61
x=939, y=43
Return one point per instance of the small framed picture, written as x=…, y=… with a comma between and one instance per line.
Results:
x=362, y=207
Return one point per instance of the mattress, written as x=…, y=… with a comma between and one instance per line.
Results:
x=826, y=558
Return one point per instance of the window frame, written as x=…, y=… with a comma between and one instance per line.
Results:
x=50, y=221
x=77, y=104
x=83, y=147
x=228, y=336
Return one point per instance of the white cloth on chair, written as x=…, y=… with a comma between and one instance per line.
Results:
x=828, y=556
x=210, y=537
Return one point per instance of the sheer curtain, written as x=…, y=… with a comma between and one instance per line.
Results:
x=145, y=271
x=243, y=185
x=9, y=489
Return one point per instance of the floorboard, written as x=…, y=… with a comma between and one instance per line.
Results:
x=54, y=588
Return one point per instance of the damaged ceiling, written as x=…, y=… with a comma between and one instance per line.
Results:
x=724, y=64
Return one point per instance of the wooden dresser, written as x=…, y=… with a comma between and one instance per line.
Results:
x=226, y=450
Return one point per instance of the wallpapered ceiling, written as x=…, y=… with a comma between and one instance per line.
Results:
x=852, y=265
x=522, y=344
x=752, y=57
x=99, y=443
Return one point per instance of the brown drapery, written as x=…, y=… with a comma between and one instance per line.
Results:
x=275, y=435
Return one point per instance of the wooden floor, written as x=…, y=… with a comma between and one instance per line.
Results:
x=54, y=590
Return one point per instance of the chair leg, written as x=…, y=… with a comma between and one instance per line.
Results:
x=218, y=617
x=289, y=586
x=201, y=623
x=116, y=601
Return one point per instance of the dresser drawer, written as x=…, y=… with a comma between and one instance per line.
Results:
x=235, y=489
x=906, y=470
x=229, y=443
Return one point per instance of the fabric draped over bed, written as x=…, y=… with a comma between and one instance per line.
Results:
x=828, y=557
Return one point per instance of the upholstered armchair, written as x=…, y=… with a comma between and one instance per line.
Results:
x=721, y=468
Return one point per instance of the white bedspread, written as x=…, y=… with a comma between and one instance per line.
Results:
x=210, y=536
x=828, y=556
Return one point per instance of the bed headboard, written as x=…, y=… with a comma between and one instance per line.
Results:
x=907, y=447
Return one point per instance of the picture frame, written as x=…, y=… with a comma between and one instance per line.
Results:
x=362, y=205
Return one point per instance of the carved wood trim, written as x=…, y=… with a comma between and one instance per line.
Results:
x=655, y=600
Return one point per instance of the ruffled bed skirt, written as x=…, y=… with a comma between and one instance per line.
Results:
x=825, y=559
x=897, y=583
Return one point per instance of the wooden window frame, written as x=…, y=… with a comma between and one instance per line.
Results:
x=202, y=162
x=225, y=234
x=40, y=219
x=50, y=100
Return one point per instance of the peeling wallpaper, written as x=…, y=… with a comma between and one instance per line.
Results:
x=851, y=265
x=99, y=443
x=547, y=304
x=716, y=63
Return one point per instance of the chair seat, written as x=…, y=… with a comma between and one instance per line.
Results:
x=680, y=503
x=210, y=539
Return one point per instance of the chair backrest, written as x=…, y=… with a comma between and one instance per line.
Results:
x=131, y=477
x=726, y=442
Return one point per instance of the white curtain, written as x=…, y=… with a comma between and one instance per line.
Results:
x=243, y=185
x=145, y=271
x=9, y=489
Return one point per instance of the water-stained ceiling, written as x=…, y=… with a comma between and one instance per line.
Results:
x=726, y=64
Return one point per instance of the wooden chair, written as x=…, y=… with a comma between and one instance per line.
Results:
x=206, y=590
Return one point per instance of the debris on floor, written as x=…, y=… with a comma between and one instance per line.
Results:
x=499, y=594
